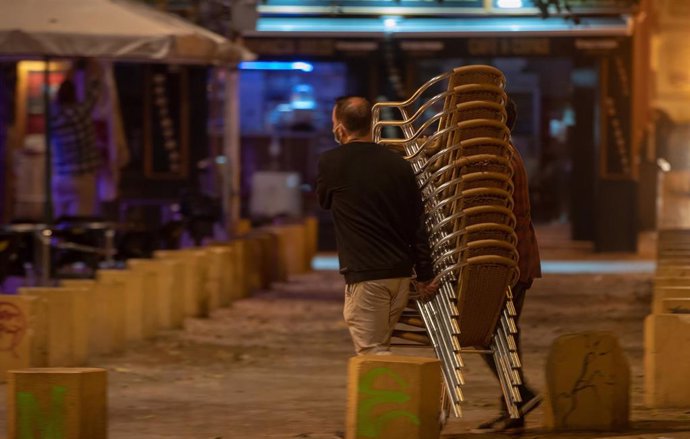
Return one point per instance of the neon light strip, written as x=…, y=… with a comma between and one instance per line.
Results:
x=276, y=65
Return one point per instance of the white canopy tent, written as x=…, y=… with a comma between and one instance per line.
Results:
x=122, y=30
x=118, y=30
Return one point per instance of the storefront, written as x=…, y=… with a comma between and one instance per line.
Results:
x=573, y=83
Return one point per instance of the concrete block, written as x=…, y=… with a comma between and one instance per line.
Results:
x=173, y=297
x=673, y=271
x=311, y=224
x=126, y=300
x=588, y=383
x=68, y=328
x=274, y=254
x=675, y=306
x=242, y=227
x=238, y=287
x=666, y=356
x=110, y=319
x=23, y=333
x=671, y=282
x=194, y=271
x=221, y=275
x=59, y=403
x=672, y=261
x=297, y=247
x=203, y=297
x=167, y=299
x=150, y=276
x=83, y=297
x=241, y=263
x=265, y=255
x=393, y=397
x=662, y=293
x=253, y=265
x=292, y=247
x=214, y=279
x=228, y=275
x=269, y=259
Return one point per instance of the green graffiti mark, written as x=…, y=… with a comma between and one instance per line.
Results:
x=32, y=420
x=368, y=425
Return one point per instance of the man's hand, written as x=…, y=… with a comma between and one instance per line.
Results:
x=426, y=290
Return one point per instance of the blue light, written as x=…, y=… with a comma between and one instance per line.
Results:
x=276, y=65
x=303, y=66
x=509, y=4
x=330, y=262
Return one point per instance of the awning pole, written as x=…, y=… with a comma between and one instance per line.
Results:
x=48, y=207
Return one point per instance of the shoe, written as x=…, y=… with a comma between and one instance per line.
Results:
x=501, y=424
x=490, y=426
x=513, y=426
x=531, y=403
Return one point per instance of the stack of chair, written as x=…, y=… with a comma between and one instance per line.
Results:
x=461, y=156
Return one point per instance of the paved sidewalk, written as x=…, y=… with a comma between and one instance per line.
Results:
x=274, y=365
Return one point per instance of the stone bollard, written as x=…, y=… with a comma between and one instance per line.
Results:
x=166, y=301
x=671, y=282
x=107, y=318
x=241, y=263
x=297, y=238
x=292, y=247
x=666, y=356
x=67, y=328
x=270, y=268
x=128, y=286
x=272, y=254
x=216, y=258
x=675, y=305
x=311, y=224
x=194, y=271
x=588, y=383
x=253, y=263
x=663, y=293
x=225, y=255
x=69, y=403
x=23, y=333
x=242, y=226
x=84, y=304
x=673, y=271
x=393, y=397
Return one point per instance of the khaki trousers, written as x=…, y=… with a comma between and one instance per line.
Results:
x=372, y=308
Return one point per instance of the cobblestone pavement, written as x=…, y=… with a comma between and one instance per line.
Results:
x=274, y=365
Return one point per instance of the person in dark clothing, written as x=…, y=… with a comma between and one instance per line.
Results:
x=529, y=263
x=76, y=157
x=378, y=214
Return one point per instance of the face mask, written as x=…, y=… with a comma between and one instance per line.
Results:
x=335, y=135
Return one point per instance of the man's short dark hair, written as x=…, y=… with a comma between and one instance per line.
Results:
x=354, y=112
x=511, y=114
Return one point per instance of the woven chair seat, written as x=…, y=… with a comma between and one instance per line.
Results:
x=476, y=128
x=488, y=214
x=479, y=74
x=479, y=92
x=481, y=295
x=488, y=247
x=486, y=197
x=486, y=145
x=497, y=180
x=484, y=163
x=481, y=110
x=484, y=231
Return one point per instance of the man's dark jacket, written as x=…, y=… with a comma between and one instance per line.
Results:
x=377, y=210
